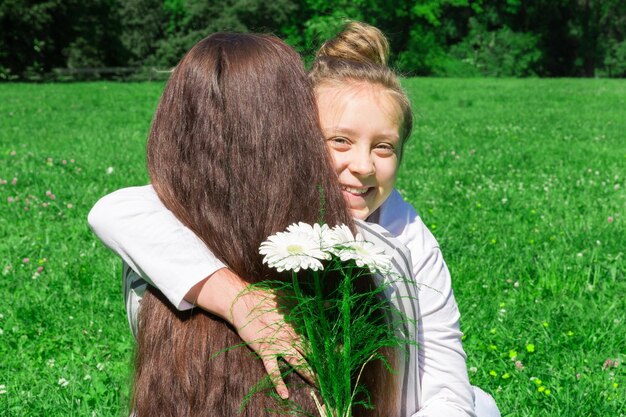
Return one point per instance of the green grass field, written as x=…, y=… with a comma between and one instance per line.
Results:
x=522, y=181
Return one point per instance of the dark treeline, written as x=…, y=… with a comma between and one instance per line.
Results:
x=551, y=38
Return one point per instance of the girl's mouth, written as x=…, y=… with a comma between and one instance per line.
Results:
x=358, y=191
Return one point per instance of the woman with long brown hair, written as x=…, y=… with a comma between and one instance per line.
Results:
x=235, y=131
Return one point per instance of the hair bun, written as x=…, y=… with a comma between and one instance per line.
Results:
x=358, y=42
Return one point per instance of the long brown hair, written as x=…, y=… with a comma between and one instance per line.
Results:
x=235, y=151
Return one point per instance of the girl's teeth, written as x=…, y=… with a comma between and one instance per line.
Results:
x=356, y=190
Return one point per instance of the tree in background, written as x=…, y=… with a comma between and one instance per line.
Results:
x=96, y=43
x=428, y=37
x=143, y=26
x=29, y=41
x=600, y=27
x=546, y=37
x=500, y=52
x=498, y=40
x=433, y=25
x=185, y=22
x=38, y=36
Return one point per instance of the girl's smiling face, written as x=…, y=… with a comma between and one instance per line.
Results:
x=361, y=124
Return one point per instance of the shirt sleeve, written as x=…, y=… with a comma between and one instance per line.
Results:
x=134, y=223
x=446, y=390
x=445, y=387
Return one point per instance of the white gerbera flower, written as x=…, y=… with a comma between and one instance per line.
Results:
x=365, y=254
x=318, y=232
x=298, y=248
x=338, y=237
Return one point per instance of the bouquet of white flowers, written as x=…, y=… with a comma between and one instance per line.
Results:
x=343, y=325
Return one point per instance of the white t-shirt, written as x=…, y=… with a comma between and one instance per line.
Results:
x=161, y=250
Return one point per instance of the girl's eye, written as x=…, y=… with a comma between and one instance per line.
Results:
x=339, y=143
x=385, y=149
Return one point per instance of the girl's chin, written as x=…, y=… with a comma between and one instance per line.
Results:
x=359, y=203
x=360, y=213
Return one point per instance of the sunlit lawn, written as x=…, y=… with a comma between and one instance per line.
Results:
x=522, y=181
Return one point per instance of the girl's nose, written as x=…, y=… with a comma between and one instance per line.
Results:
x=362, y=164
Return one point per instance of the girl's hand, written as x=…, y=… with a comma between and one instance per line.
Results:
x=255, y=316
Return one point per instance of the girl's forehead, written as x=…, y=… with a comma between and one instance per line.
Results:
x=335, y=98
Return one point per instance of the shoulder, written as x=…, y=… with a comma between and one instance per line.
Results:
x=398, y=252
x=372, y=231
x=143, y=193
x=124, y=203
x=127, y=196
x=402, y=220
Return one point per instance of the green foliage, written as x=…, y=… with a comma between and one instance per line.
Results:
x=191, y=20
x=428, y=37
x=498, y=53
x=143, y=25
x=597, y=24
x=453, y=67
x=27, y=52
x=423, y=49
x=38, y=37
x=96, y=42
x=323, y=20
x=432, y=10
x=322, y=27
x=615, y=60
x=423, y=53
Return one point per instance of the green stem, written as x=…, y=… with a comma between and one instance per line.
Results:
x=347, y=337
x=316, y=357
x=326, y=384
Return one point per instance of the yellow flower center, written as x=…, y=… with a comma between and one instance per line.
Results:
x=360, y=250
x=295, y=249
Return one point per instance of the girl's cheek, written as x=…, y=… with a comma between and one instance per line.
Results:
x=390, y=170
x=338, y=160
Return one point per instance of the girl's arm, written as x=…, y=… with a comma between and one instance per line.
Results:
x=443, y=371
x=134, y=224
x=161, y=250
